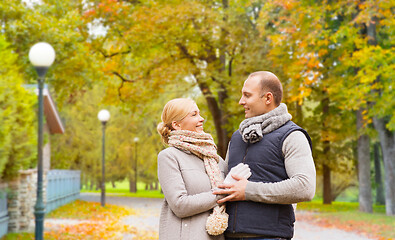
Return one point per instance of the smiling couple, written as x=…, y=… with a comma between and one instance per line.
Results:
x=199, y=205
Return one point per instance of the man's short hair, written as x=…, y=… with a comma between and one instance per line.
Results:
x=270, y=83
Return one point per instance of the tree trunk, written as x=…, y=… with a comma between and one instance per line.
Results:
x=132, y=185
x=327, y=183
x=299, y=114
x=327, y=195
x=365, y=188
x=218, y=117
x=215, y=106
x=98, y=185
x=222, y=133
x=387, y=141
x=378, y=176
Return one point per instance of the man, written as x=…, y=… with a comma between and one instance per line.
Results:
x=279, y=155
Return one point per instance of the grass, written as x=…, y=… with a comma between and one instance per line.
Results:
x=317, y=206
x=18, y=236
x=122, y=190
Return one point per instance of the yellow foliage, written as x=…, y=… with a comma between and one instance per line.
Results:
x=322, y=52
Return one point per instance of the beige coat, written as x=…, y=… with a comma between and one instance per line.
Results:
x=188, y=198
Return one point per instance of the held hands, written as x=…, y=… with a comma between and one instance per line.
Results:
x=234, y=184
x=241, y=170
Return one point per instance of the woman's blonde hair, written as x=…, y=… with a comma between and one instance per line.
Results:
x=174, y=110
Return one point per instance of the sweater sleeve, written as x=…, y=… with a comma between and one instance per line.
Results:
x=173, y=186
x=299, y=165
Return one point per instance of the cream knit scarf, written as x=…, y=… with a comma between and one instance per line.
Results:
x=252, y=129
x=202, y=145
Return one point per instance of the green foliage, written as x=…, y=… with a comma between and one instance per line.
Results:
x=60, y=24
x=80, y=146
x=17, y=117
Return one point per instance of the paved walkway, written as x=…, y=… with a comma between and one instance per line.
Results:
x=150, y=208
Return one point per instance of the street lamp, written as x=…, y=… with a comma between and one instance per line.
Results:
x=136, y=139
x=103, y=117
x=41, y=56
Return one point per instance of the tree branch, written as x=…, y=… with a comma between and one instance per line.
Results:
x=114, y=54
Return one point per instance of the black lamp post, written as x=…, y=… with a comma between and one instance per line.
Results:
x=103, y=116
x=136, y=139
x=41, y=55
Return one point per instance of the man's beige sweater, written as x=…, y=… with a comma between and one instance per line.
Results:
x=300, y=168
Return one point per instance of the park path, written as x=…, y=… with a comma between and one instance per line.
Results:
x=149, y=209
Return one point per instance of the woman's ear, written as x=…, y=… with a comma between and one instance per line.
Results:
x=176, y=125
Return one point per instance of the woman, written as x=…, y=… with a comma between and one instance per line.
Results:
x=187, y=170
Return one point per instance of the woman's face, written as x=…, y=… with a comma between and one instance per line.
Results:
x=192, y=122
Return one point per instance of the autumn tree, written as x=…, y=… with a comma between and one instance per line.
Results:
x=73, y=72
x=18, y=138
x=347, y=68
x=60, y=24
x=212, y=45
x=374, y=60
x=300, y=46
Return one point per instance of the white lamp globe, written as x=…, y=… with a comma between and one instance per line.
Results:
x=42, y=55
x=136, y=139
x=103, y=115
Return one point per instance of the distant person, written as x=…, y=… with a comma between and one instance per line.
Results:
x=188, y=170
x=279, y=155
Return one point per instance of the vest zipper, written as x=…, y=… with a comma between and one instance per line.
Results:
x=244, y=158
x=234, y=222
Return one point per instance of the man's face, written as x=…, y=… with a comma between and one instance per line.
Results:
x=251, y=98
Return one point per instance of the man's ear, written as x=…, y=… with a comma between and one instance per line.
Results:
x=175, y=125
x=269, y=98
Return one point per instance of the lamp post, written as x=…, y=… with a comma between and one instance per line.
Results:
x=136, y=139
x=103, y=117
x=41, y=56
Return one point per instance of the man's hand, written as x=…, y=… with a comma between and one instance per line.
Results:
x=235, y=191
